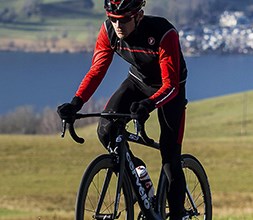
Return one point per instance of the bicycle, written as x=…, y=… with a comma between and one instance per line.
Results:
x=110, y=185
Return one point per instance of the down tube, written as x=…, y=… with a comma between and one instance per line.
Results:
x=142, y=196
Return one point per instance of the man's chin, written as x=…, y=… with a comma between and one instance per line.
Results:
x=121, y=35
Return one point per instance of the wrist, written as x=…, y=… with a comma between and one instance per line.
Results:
x=77, y=102
x=149, y=104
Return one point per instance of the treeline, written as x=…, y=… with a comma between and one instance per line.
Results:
x=25, y=120
x=195, y=12
x=181, y=12
x=26, y=9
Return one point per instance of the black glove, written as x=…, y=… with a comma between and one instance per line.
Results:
x=142, y=109
x=67, y=111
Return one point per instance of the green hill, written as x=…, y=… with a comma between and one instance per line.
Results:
x=40, y=174
x=49, y=25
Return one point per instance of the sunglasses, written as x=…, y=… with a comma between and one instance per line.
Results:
x=123, y=20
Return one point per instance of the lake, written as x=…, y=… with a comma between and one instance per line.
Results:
x=46, y=80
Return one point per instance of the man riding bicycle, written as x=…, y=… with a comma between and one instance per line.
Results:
x=156, y=80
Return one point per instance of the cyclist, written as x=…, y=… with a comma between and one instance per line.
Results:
x=156, y=80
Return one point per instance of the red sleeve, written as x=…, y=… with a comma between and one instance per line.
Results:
x=101, y=61
x=169, y=59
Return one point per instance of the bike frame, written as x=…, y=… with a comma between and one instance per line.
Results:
x=124, y=161
x=126, y=164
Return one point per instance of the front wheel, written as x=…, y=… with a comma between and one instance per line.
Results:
x=96, y=196
x=198, y=200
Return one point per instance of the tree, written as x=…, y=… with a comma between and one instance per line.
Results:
x=22, y=120
x=8, y=15
x=88, y=4
x=49, y=122
x=31, y=7
x=180, y=12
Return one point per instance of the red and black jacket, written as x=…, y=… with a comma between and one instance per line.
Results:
x=154, y=52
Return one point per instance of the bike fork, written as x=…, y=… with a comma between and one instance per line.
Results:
x=119, y=153
x=102, y=196
x=195, y=210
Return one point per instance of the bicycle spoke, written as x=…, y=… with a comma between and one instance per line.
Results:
x=195, y=202
x=91, y=203
x=100, y=195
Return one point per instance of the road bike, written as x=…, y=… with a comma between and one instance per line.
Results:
x=110, y=187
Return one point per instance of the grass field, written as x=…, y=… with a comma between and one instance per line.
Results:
x=40, y=174
x=58, y=26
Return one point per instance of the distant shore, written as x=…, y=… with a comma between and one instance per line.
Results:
x=71, y=46
x=59, y=46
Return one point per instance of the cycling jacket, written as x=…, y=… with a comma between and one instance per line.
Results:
x=154, y=52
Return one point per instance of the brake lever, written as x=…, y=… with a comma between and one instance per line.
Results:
x=140, y=130
x=64, y=124
x=137, y=127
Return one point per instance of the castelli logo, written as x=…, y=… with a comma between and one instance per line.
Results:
x=151, y=41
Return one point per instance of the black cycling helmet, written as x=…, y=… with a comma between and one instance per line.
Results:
x=122, y=8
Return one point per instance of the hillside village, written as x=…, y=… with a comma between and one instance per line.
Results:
x=233, y=34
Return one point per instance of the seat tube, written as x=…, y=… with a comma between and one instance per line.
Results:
x=160, y=190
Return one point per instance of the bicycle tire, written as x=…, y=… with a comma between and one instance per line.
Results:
x=91, y=187
x=199, y=188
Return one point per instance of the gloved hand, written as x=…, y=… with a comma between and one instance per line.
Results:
x=67, y=111
x=142, y=109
